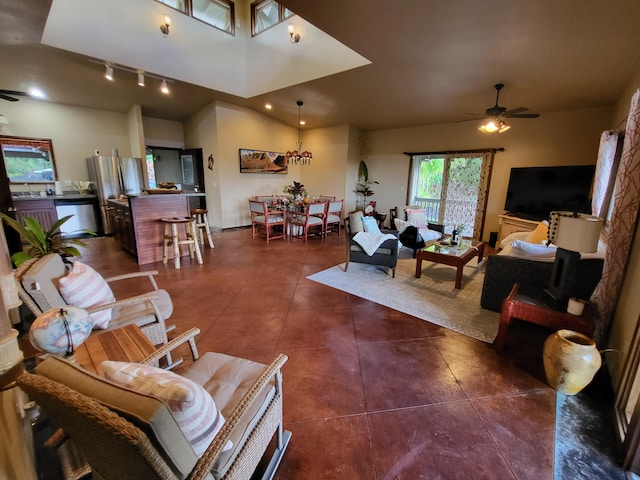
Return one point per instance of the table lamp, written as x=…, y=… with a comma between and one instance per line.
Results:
x=572, y=233
x=59, y=330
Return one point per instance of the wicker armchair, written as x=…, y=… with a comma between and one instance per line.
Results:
x=38, y=289
x=123, y=434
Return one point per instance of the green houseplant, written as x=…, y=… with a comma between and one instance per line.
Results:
x=42, y=242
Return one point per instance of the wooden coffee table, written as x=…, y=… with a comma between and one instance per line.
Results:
x=456, y=256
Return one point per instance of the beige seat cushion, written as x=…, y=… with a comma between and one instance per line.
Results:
x=226, y=378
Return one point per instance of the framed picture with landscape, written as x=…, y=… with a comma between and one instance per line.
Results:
x=259, y=161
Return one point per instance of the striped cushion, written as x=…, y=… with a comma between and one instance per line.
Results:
x=191, y=405
x=84, y=287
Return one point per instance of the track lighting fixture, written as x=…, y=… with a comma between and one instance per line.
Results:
x=141, y=74
x=141, y=78
x=164, y=27
x=108, y=74
x=164, y=88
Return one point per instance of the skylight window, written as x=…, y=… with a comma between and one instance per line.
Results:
x=217, y=13
x=267, y=13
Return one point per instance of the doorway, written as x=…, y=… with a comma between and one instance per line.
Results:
x=181, y=167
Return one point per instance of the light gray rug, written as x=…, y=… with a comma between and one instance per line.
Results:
x=432, y=297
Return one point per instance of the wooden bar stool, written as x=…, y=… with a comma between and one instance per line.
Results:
x=171, y=238
x=202, y=224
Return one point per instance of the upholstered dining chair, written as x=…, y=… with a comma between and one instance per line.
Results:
x=314, y=215
x=39, y=282
x=264, y=217
x=139, y=423
x=334, y=215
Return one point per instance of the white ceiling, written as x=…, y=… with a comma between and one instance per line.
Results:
x=431, y=62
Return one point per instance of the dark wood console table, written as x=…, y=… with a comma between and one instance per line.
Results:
x=533, y=305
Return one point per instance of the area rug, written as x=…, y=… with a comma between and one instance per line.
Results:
x=433, y=297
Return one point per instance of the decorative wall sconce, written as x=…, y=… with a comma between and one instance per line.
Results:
x=293, y=36
x=164, y=27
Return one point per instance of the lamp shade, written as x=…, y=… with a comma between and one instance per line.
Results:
x=59, y=330
x=574, y=231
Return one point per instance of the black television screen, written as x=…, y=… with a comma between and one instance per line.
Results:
x=533, y=192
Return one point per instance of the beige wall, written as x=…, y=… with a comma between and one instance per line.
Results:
x=561, y=138
x=76, y=132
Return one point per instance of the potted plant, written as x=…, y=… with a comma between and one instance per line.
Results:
x=42, y=242
x=363, y=186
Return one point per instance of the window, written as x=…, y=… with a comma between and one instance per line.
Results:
x=267, y=13
x=217, y=13
x=452, y=188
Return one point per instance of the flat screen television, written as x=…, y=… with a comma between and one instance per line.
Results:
x=534, y=192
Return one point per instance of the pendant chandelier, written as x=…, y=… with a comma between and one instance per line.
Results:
x=298, y=157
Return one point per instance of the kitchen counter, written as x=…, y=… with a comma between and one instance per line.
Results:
x=144, y=213
x=71, y=196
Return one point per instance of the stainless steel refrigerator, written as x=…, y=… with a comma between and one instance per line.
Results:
x=112, y=177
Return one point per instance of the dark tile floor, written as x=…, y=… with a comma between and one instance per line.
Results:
x=369, y=393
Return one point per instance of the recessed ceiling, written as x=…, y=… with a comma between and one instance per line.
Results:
x=430, y=62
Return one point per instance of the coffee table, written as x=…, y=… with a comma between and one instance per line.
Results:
x=457, y=256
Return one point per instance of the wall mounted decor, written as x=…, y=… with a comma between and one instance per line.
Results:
x=259, y=161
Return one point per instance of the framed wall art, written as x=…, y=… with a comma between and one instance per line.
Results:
x=259, y=161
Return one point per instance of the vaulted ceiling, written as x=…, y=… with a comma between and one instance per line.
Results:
x=430, y=62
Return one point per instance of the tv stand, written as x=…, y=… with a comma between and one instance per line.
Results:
x=510, y=223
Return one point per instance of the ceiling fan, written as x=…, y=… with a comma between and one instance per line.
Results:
x=501, y=112
x=497, y=115
x=11, y=95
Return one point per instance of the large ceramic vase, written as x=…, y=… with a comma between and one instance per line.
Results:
x=570, y=359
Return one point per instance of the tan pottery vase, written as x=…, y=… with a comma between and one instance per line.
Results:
x=571, y=360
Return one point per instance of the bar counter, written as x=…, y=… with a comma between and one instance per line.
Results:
x=145, y=212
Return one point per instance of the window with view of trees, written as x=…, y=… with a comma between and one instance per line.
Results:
x=452, y=188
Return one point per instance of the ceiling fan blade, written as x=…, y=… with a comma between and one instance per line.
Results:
x=524, y=115
x=7, y=97
x=14, y=92
x=516, y=110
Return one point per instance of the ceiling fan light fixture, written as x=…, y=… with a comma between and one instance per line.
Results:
x=494, y=125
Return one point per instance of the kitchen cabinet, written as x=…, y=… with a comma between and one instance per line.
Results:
x=119, y=214
x=42, y=209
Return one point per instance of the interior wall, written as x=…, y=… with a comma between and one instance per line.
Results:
x=560, y=138
x=327, y=173
x=163, y=133
x=76, y=132
x=237, y=128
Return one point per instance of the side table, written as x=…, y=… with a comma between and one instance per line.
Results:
x=125, y=344
x=532, y=305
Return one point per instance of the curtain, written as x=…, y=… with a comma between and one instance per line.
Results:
x=604, y=173
x=624, y=214
x=483, y=193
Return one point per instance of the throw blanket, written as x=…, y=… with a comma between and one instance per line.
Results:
x=371, y=241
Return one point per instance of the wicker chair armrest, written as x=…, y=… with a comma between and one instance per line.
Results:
x=172, y=345
x=127, y=276
x=144, y=297
x=202, y=468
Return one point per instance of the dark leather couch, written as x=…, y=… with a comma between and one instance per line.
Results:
x=503, y=271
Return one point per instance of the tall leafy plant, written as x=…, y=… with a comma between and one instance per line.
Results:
x=42, y=242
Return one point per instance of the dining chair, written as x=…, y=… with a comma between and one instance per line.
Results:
x=264, y=217
x=334, y=215
x=314, y=215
